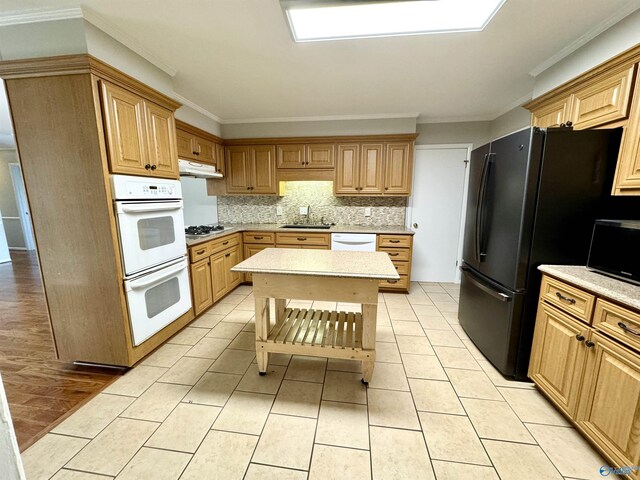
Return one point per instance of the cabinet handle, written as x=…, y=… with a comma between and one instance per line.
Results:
x=566, y=299
x=224, y=243
x=302, y=239
x=200, y=252
x=392, y=281
x=227, y=255
x=394, y=241
x=248, y=188
x=589, y=344
x=394, y=254
x=627, y=329
x=386, y=188
x=580, y=338
x=147, y=166
x=258, y=238
x=153, y=167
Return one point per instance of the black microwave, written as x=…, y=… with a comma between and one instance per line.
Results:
x=615, y=249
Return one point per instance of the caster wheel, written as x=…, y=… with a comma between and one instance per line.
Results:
x=363, y=382
x=262, y=374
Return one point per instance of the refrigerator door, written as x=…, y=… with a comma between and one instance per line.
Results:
x=506, y=207
x=477, y=165
x=490, y=315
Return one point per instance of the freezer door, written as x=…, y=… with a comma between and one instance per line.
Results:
x=491, y=315
x=477, y=164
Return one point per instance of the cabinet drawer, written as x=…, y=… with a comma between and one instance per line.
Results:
x=259, y=237
x=394, y=241
x=401, y=284
x=397, y=254
x=198, y=252
x=567, y=298
x=302, y=238
x=224, y=242
x=401, y=267
x=618, y=322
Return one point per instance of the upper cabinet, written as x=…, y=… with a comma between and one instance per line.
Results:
x=140, y=134
x=374, y=169
x=608, y=96
x=199, y=146
x=251, y=169
x=309, y=156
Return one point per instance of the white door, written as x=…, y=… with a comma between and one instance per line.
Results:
x=23, y=205
x=436, y=211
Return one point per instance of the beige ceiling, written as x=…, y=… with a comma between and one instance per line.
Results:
x=235, y=58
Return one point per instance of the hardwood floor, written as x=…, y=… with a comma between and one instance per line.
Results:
x=40, y=389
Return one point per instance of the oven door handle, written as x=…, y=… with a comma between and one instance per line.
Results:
x=149, y=207
x=156, y=278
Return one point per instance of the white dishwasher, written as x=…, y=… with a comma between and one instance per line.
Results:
x=360, y=242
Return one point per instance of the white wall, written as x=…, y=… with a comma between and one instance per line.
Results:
x=620, y=37
x=8, y=205
x=512, y=121
x=43, y=39
x=477, y=133
x=199, y=208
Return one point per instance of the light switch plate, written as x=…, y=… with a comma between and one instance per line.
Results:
x=279, y=211
x=303, y=210
x=367, y=211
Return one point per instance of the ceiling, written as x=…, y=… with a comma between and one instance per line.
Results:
x=236, y=58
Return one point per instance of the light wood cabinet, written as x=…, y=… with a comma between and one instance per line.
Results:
x=400, y=249
x=199, y=146
x=220, y=158
x=308, y=156
x=558, y=355
x=320, y=155
x=594, y=380
x=627, y=177
x=249, y=251
x=218, y=276
x=251, y=169
x=231, y=258
x=398, y=176
x=608, y=413
x=371, y=169
x=347, y=180
x=553, y=114
x=291, y=156
x=201, y=291
x=141, y=135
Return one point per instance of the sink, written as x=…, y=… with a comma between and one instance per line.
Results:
x=324, y=227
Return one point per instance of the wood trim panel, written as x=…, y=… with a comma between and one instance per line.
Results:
x=180, y=125
x=259, y=237
x=567, y=298
x=405, y=137
x=607, y=317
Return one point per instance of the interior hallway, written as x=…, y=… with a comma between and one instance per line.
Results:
x=39, y=388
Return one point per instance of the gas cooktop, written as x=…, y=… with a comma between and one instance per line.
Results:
x=203, y=230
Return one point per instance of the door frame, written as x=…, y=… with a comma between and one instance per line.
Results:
x=465, y=189
x=22, y=202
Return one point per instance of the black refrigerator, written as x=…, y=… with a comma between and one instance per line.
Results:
x=533, y=197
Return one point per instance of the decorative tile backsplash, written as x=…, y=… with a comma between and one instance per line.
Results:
x=319, y=195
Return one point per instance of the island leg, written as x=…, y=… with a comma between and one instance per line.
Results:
x=262, y=332
x=369, y=315
x=281, y=305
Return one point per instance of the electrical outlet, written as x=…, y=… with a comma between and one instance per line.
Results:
x=304, y=210
x=367, y=211
x=279, y=211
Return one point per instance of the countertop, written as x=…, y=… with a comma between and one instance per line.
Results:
x=276, y=227
x=622, y=292
x=321, y=263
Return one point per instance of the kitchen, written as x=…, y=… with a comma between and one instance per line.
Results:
x=343, y=204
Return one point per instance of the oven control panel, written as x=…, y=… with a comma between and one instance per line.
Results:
x=126, y=187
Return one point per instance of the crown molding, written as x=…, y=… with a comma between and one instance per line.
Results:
x=36, y=15
x=382, y=116
x=473, y=118
x=619, y=14
x=517, y=103
x=194, y=106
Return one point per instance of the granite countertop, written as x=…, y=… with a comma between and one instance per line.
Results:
x=321, y=263
x=276, y=227
x=617, y=290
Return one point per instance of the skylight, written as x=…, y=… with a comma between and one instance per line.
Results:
x=311, y=20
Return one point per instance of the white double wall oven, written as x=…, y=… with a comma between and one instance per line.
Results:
x=150, y=221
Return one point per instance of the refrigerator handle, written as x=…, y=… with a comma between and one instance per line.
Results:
x=480, y=210
x=497, y=295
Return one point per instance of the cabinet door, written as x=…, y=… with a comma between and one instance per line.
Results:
x=201, y=286
x=604, y=101
x=347, y=170
x=206, y=151
x=219, y=276
x=557, y=356
x=161, y=141
x=551, y=115
x=608, y=413
x=291, y=156
x=371, y=169
x=263, y=169
x=398, y=169
x=125, y=129
x=320, y=155
x=250, y=250
x=627, y=179
x=186, y=145
x=219, y=158
x=232, y=258
x=238, y=169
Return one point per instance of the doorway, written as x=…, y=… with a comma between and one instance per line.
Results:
x=22, y=205
x=436, y=211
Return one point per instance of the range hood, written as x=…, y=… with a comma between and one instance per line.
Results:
x=198, y=170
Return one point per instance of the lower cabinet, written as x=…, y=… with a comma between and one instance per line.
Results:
x=250, y=250
x=593, y=379
x=224, y=280
x=201, y=286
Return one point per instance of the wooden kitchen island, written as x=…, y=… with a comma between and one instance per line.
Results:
x=336, y=276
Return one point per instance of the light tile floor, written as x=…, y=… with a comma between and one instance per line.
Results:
x=197, y=408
